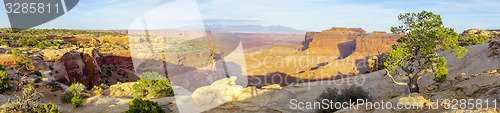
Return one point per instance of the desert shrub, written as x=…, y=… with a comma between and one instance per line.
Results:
x=4, y=42
x=49, y=108
x=154, y=85
x=137, y=105
x=330, y=94
x=75, y=94
x=151, y=76
x=66, y=97
x=25, y=63
x=37, y=73
x=29, y=98
x=351, y=93
x=54, y=85
x=473, y=40
x=76, y=100
x=11, y=107
x=4, y=81
x=16, y=52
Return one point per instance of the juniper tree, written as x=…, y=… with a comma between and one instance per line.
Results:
x=417, y=53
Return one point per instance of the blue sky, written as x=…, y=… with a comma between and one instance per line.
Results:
x=309, y=15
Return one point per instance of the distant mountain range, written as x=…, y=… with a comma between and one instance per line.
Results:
x=252, y=28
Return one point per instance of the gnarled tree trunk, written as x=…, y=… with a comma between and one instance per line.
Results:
x=413, y=85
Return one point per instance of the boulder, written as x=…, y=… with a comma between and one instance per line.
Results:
x=219, y=92
x=494, y=48
x=471, y=89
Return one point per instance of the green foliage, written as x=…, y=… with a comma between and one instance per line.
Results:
x=4, y=42
x=49, y=108
x=441, y=70
x=25, y=63
x=29, y=102
x=22, y=60
x=474, y=39
x=1, y=68
x=151, y=75
x=29, y=98
x=42, y=38
x=69, y=45
x=351, y=93
x=11, y=107
x=137, y=105
x=66, y=97
x=75, y=94
x=39, y=42
x=153, y=85
x=76, y=100
x=16, y=52
x=4, y=81
x=425, y=36
x=37, y=73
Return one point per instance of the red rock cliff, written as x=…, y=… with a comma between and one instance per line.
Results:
x=323, y=54
x=79, y=66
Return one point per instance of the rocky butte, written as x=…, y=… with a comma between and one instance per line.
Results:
x=323, y=54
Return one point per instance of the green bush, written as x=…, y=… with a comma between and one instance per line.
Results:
x=153, y=85
x=66, y=97
x=4, y=81
x=473, y=40
x=25, y=63
x=76, y=100
x=75, y=94
x=151, y=76
x=37, y=73
x=11, y=107
x=4, y=42
x=49, y=108
x=351, y=93
x=29, y=98
x=137, y=105
x=16, y=52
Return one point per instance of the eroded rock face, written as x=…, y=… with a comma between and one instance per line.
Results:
x=323, y=54
x=79, y=66
x=379, y=32
x=490, y=33
x=494, y=47
x=345, y=30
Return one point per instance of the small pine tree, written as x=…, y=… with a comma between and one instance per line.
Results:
x=137, y=105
